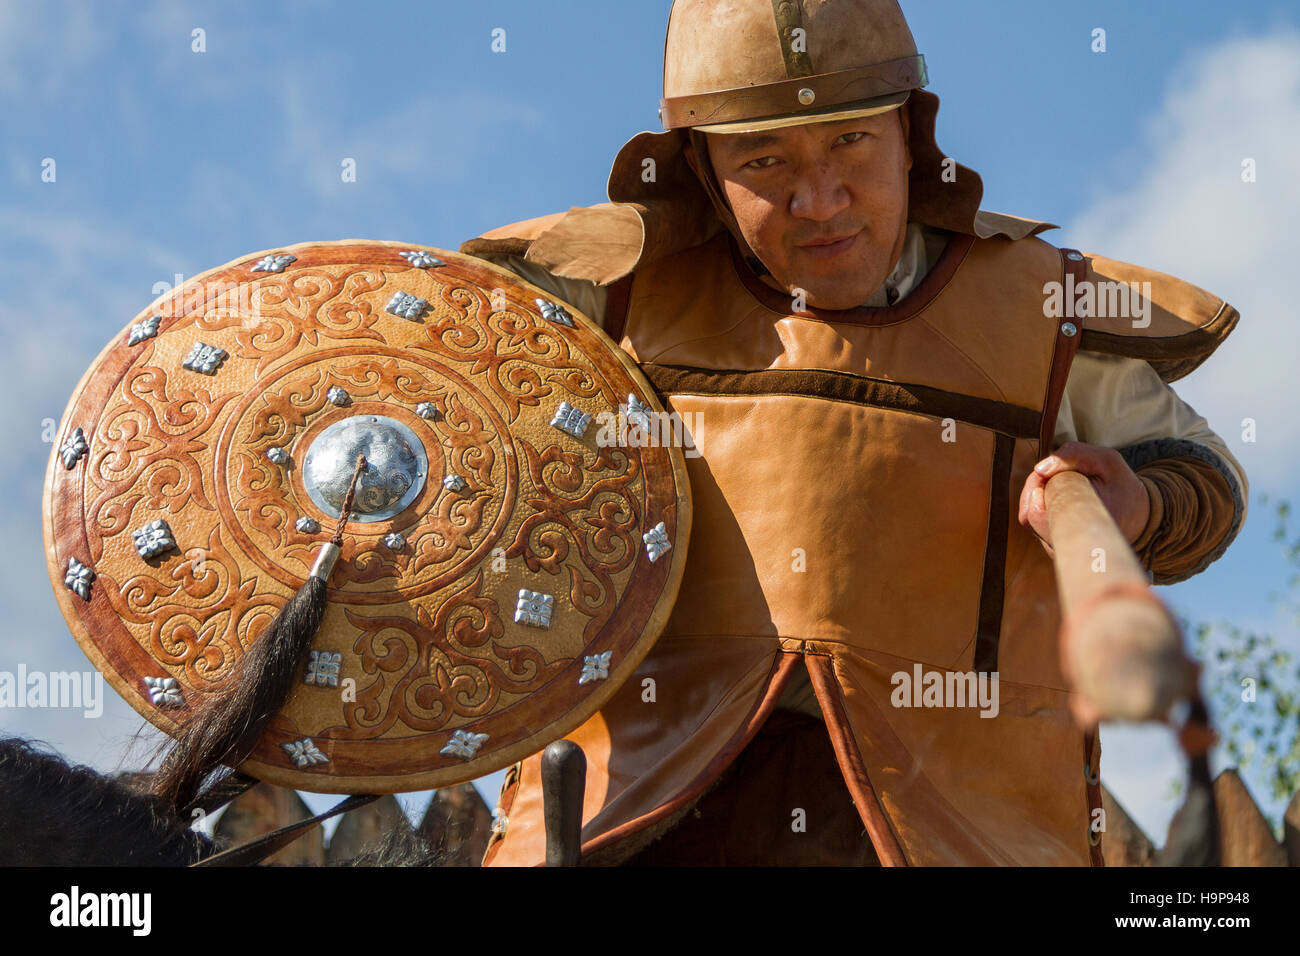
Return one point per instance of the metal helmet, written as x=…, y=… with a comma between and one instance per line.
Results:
x=740, y=65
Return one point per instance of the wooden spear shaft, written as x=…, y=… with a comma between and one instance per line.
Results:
x=1120, y=648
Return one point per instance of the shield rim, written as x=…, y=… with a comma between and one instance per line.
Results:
x=315, y=781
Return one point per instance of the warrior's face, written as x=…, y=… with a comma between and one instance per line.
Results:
x=823, y=205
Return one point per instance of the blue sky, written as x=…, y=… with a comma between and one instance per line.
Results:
x=171, y=162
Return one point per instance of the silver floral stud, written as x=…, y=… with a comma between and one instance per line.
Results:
x=323, y=668
x=204, y=358
x=595, y=667
x=304, y=753
x=572, y=420
x=277, y=455
x=154, y=538
x=454, y=483
x=338, y=396
x=273, y=263
x=164, y=691
x=534, y=608
x=554, y=312
x=464, y=744
x=406, y=305
x=421, y=259
x=73, y=447
x=307, y=524
x=427, y=411
x=394, y=541
x=78, y=578
x=144, y=329
x=656, y=541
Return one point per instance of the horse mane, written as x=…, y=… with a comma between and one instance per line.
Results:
x=53, y=813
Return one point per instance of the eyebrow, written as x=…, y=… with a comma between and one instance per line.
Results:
x=748, y=141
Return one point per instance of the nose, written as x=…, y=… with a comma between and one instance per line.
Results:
x=819, y=193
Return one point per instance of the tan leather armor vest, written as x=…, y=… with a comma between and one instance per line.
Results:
x=855, y=501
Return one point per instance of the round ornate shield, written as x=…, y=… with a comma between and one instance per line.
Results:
x=514, y=549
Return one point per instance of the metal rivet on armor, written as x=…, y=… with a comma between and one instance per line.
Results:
x=554, y=312
x=806, y=96
x=78, y=578
x=656, y=541
x=273, y=263
x=338, y=396
x=421, y=259
x=307, y=524
x=145, y=329
x=1069, y=329
x=164, y=691
x=73, y=447
x=463, y=743
x=534, y=608
x=427, y=410
x=394, y=541
x=153, y=538
x=454, y=483
x=1074, y=256
x=277, y=455
x=406, y=305
x=595, y=667
x=304, y=753
x=204, y=358
x=571, y=420
x=323, y=668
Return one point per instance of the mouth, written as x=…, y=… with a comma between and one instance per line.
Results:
x=829, y=248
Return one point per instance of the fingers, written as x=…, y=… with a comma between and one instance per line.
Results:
x=1079, y=456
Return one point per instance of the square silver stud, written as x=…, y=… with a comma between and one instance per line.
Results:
x=534, y=608
x=406, y=305
x=153, y=538
x=572, y=420
x=323, y=668
x=204, y=358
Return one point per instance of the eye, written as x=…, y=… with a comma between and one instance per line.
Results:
x=851, y=137
x=762, y=162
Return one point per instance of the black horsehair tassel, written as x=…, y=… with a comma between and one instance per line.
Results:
x=231, y=721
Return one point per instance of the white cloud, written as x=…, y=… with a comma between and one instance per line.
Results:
x=1188, y=213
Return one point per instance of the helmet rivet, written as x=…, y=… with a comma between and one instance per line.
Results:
x=806, y=96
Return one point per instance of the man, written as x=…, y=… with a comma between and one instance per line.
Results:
x=875, y=371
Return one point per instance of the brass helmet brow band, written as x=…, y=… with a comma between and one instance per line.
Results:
x=794, y=95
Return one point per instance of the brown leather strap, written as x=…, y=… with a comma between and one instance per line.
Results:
x=616, y=303
x=789, y=17
x=1068, y=335
x=821, y=672
x=255, y=851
